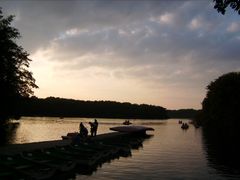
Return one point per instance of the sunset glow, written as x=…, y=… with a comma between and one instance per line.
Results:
x=154, y=52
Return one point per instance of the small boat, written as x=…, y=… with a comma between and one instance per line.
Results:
x=185, y=126
x=127, y=122
x=70, y=135
x=10, y=173
x=84, y=159
x=30, y=169
x=42, y=158
x=103, y=152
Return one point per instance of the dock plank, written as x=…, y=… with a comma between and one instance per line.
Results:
x=18, y=148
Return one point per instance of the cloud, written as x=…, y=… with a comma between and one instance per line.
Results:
x=159, y=45
x=234, y=27
x=166, y=18
x=196, y=23
x=146, y=43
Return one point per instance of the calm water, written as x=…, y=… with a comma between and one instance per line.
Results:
x=171, y=153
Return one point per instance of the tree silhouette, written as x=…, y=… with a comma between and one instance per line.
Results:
x=16, y=80
x=221, y=107
x=221, y=5
x=220, y=119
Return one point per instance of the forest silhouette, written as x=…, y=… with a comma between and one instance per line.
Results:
x=60, y=107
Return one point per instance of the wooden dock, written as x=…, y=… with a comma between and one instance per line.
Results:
x=61, y=158
x=18, y=148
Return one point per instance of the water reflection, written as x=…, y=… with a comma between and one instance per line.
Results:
x=171, y=154
x=224, y=157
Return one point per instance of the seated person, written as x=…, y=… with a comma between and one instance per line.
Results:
x=83, y=130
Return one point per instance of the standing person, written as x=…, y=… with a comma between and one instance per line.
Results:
x=95, y=127
x=92, y=128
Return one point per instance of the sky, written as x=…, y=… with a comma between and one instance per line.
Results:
x=155, y=52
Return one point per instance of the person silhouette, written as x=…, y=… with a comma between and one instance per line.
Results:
x=95, y=127
x=92, y=128
x=83, y=130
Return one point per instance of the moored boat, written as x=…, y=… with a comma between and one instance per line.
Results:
x=44, y=159
x=81, y=158
x=70, y=135
x=10, y=173
x=103, y=153
x=31, y=170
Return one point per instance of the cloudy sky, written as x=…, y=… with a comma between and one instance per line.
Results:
x=155, y=52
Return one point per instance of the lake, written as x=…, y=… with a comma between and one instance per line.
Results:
x=171, y=153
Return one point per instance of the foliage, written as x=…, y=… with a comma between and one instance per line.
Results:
x=182, y=113
x=221, y=107
x=221, y=5
x=15, y=79
x=59, y=107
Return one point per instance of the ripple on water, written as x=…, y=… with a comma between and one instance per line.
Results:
x=170, y=154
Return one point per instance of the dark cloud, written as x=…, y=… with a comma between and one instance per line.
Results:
x=40, y=21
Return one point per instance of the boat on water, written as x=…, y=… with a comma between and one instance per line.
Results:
x=45, y=159
x=70, y=135
x=127, y=122
x=10, y=173
x=83, y=159
x=185, y=126
x=27, y=168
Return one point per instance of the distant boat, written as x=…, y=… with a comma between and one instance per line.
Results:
x=185, y=126
x=127, y=122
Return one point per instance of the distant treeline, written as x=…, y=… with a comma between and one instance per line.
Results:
x=182, y=113
x=60, y=107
